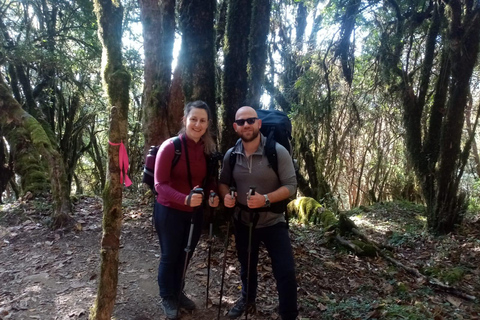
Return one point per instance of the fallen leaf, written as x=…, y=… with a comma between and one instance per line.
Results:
x=321, y=307
x=454, y=301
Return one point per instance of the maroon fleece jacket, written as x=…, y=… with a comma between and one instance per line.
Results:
x=172, y=185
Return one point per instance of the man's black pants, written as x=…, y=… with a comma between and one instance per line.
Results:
x=277, y=243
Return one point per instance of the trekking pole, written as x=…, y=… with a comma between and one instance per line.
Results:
x=187, y=248
x=251, y=192
x=212, y=196
x=232, y=194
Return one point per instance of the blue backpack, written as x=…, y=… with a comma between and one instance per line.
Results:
x=276, y=127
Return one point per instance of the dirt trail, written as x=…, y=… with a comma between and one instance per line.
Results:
x=53, y=275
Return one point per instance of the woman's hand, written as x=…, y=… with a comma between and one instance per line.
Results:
x=194, y=199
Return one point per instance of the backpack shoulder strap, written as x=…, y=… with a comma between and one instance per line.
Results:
x=271, y=151
x=232, y=161
x=178, y=150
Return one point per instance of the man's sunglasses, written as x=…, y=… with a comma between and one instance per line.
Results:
x=241, y=122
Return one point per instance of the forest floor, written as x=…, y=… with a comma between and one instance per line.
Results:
x=47, y=274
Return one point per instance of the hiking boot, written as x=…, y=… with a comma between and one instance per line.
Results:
x=186, y=303
x=239, y=308
x=169, y=306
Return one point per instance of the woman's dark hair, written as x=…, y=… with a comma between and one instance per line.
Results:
x=207, y=136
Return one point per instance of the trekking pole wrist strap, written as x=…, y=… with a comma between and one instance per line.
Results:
x=189, y=198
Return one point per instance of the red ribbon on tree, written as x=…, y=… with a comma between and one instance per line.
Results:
x=122, y=162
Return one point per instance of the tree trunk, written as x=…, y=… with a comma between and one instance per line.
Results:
x=235, y=78
x=471, y=131
x=6, y=166
x=257, y=56
x=463, y=46
x=159, y=121
x=117, y=80
x=197, y=54
x=221, y=20
x=344, y=49
x=98, y=156
x=438, y=158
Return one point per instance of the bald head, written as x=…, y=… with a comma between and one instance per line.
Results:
x=245, y=112
x=247, y=125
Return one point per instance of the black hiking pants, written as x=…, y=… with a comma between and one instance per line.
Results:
x=173, y=228
x=277, y=242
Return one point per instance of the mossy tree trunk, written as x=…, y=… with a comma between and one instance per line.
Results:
x=28, y=163
x=463, y=47
x=160, y=121
x=197, y=54
x=257, y=51
x=245, y=49
x=27, y=129
x=235, y=77
x=344, y=50
x=117, y=80
x=6, y=166
x=27, y=160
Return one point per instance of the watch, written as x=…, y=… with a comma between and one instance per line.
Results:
x=267, y=201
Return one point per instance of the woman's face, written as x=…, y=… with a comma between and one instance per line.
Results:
x=196, y=123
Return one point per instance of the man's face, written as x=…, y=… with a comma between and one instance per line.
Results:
x=246, y=124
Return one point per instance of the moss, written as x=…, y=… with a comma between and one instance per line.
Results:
x=453, y=275
x=28, y=163
x=368, y=249
x=449, y=276
x=119, y=79
x=37, y=133
x=37, y=176
x=329, y=219
x=309, y=211
x=304, y=208
x=402, y=287
x=433, y=271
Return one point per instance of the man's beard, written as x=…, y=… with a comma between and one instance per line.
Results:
x=253, y=137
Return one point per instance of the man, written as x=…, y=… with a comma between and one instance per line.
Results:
x=252, y=168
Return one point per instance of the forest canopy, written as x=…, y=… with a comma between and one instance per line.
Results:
x=383, y=95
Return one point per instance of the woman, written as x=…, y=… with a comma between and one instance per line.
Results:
x=177, y=205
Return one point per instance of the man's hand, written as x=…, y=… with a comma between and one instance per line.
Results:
x=229, y=201
x=256, y=200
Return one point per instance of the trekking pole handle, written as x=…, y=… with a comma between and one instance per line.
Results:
x=212, y=196
x=251, y=192
x=198, y=191
x=192, y=192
